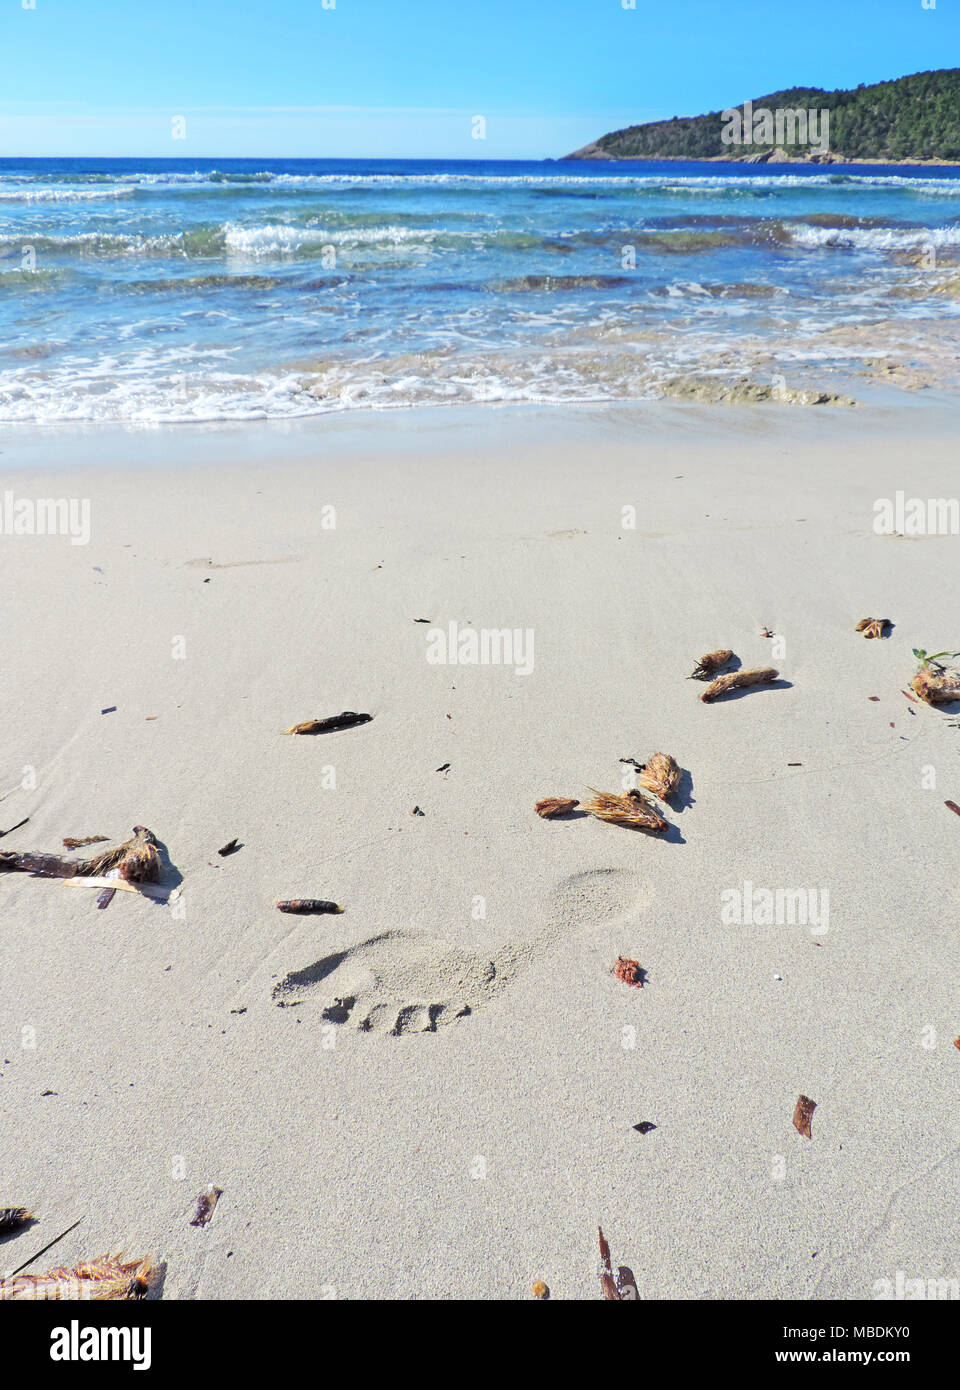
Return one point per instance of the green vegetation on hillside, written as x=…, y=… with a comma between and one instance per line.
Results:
x=916, y=117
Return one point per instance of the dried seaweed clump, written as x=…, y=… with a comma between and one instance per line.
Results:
x=137, y=860
x=932, y=684
x=555, y=806
x=708, y=666
x=633, y=809
x=660, y=775
x=738, y=680
x=873, y=627
x=12, y=1218
x=106, y=1277
x=631, y=972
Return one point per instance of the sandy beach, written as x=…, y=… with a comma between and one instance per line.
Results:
x=439, y=1153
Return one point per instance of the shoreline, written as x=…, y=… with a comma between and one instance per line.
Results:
x=879, y=409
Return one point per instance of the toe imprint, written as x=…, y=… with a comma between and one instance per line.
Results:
x=399, y=983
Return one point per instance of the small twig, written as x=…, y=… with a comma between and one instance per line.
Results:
x=55, y=1240
x=157, y=891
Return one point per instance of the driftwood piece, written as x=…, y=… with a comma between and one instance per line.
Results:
x=38, y=863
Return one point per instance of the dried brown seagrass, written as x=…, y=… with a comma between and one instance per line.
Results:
x=873, y=627
x=633, y=809
x=660, y=775
x=738, y=680
x=555, y=806
x=106, y=1277
x=935, y=686
x=709, y=665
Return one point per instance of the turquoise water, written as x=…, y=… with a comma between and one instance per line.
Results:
x=148, y=290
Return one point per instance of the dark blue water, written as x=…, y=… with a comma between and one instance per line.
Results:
x=147, y=290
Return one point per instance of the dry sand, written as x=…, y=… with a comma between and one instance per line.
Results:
x=470, y=1161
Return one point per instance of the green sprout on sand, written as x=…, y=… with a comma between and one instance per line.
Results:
x=938, y=659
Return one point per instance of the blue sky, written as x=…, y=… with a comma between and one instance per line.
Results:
x=405, y=78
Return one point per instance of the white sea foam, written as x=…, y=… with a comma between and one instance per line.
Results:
x=279, y=238
x=735, y=179
x=875, y=238
x=161, y=308
x=25, y=193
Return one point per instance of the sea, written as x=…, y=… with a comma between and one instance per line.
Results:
x=145, y=291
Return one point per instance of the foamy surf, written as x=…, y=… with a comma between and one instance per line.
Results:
x=269, y=290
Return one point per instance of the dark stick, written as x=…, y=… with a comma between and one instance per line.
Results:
x=304, y=905
x=46, y=1248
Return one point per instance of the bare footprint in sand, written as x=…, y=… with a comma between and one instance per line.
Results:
x=400, y=983
x=598, y=896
